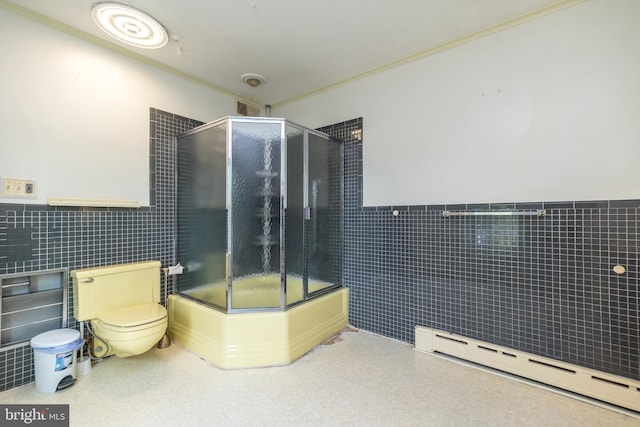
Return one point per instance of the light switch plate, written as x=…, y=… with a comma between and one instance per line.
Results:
x=8, y=187
x=19, y=188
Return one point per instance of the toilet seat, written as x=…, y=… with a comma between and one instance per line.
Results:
x=133, y=318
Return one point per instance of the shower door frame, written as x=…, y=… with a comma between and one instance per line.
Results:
x=228, y=262
x=306, y=295
x=229, y=197
x=284, y=188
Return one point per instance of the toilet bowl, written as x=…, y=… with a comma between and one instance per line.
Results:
x=129, y=331
x=122, y=304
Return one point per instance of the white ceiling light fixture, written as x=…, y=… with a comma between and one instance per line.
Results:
x=252, y=79
x=129, y=25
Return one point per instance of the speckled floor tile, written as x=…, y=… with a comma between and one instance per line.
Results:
x=358, y=379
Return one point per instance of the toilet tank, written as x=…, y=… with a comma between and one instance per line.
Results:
x=103, y=289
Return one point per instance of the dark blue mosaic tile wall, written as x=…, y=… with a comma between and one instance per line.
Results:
x=543, y=285
x=37, y=237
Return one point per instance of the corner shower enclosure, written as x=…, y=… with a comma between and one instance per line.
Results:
x=259, y=214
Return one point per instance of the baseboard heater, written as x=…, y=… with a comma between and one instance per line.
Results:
x=614, y=389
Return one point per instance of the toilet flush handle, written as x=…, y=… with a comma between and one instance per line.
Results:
x=87, y=280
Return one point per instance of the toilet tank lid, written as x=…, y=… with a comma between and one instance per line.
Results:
x=134, y=315
x=114, y=269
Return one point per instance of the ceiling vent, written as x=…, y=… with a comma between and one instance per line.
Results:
x=246, y=109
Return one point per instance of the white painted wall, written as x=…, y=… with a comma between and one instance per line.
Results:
x=548, y=110
x=75, y=117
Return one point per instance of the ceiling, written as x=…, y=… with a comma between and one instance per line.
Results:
x=299, y=46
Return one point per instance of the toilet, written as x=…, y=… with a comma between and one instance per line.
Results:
x=122, y=304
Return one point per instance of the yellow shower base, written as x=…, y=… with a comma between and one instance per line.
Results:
x=256, y=339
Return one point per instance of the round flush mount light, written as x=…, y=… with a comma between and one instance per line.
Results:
x=252, y=79
x=129, y=25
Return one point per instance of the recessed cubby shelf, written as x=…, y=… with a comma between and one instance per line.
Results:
x=31, y=303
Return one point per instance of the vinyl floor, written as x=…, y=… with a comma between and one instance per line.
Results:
x=356, y=379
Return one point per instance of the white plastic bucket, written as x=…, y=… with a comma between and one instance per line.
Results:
x=54, y=357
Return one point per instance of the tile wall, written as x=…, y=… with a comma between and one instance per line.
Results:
x=539, y=284
x=543, y=285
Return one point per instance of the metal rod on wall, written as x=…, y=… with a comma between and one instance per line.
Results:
x=538, y=212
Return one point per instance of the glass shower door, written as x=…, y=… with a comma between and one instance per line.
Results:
x=295, y=236
x=314, y=214
x=201, y=214
x=256, y=202
x=324, y=217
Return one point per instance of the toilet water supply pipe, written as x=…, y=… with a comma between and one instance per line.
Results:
x=169, y=271
x=95, y=337
x=82, y=348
